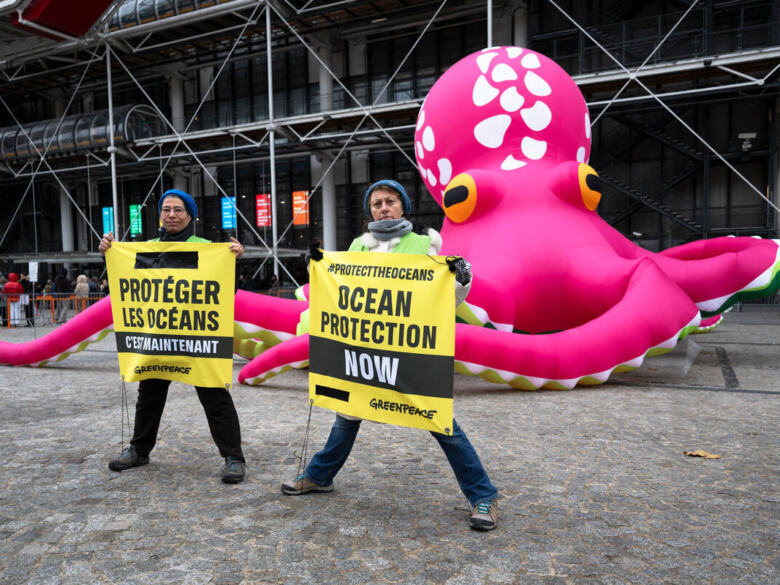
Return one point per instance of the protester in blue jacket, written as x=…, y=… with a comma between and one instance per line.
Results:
x=386, y=202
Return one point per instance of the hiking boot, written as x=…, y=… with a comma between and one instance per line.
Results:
x=485, y=516
x=128, y=458
x=303, y=485
x=234, y=470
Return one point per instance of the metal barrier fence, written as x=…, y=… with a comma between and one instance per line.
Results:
x=772, y=301
x=22, y=310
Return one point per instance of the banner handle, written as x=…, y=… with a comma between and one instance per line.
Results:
x=125, y=411
x=302, y=458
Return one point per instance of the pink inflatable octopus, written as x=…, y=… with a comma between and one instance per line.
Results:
x=559, y=297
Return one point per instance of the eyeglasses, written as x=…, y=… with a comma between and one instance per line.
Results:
x=173, y=211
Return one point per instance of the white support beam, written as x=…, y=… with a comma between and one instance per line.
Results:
x=770, y=55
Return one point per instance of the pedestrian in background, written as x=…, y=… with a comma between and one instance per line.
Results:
x=13, y=290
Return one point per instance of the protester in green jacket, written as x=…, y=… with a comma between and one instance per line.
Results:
x=386, y=202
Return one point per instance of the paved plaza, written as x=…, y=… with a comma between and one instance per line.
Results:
x=595, y=487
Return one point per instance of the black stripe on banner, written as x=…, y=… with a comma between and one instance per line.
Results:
x=189, y=345
x=409, y=373
x=178, y=260
x=321, y=390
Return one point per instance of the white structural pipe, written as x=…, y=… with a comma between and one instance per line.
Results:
x=271, y=140
x=328, y=182
x=329, y=241
x=776, y=121
x=489, y=23
x=112, y=147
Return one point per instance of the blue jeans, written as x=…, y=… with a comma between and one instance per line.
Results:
x=471, y=476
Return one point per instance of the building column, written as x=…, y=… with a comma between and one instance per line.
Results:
x=520, y=23
x=176, y=99
x=319, y=164
x=510, y=24
x=82, y=229
x=326, y=81
x=66, y=222
x=66, y=216
x=180, y=180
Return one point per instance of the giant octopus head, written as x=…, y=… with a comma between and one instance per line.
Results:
x=504, y=122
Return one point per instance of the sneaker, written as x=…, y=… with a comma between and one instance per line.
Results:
x=485, y=516
x=129, y=458
x=303, y=485
x=234, y=470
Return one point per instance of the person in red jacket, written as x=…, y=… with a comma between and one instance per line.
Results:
x=13, y=289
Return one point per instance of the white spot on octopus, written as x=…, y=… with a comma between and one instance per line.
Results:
x=483, y=93
x=511, y=101
x=427, y=139
x=530, y=61
x=490, y=132
x=536, y=85
x=537, y=117
x=445, y=171
x=484, y=61
x=533, y=149
x=511, y=163
x=503, y=72
x=421, y=119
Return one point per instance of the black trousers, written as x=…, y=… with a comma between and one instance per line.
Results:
x=217, y=404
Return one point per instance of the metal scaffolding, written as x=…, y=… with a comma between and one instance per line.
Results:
x=138, y=42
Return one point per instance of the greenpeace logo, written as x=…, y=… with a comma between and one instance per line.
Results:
x=402, y=408
x=163, y=368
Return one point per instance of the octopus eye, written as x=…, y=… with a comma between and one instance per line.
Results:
x=590, y=186
x=460, y=198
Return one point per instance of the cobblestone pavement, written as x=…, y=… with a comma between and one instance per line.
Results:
x=596, y=489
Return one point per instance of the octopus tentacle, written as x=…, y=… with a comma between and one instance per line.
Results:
x=293, y=353
x=617, y=340
x=720, y=272
x=248, y=348
x=260, y=322
x=485, y=306
x=89, y=326
x=270, y=320
x=709, y=323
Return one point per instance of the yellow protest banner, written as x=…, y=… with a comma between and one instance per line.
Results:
x=172, y=304
x=382, y=337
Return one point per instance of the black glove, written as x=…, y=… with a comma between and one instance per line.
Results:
x=461, y=268
x=314, y=252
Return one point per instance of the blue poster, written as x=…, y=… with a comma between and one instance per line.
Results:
x=108, y=220
x=228, y=213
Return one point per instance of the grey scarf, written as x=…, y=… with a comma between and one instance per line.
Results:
x=387, y=229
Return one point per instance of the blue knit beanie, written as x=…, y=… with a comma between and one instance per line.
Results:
x=395, y=186
x=189, y=202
